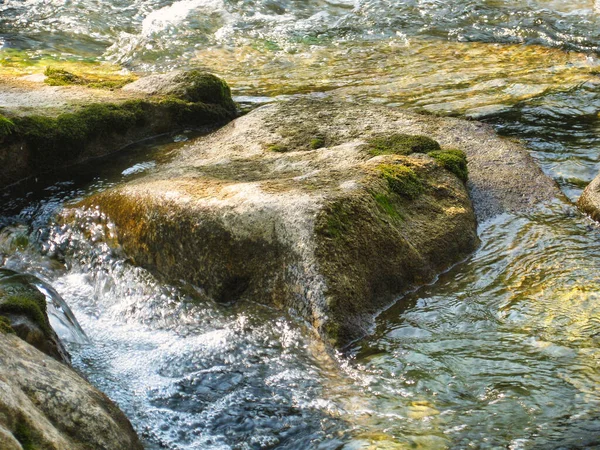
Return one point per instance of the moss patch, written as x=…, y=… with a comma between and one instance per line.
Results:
x=338, y=220
x=26, y=436
x=5, y=326
x=277, y=148
x=401, y=144
x=61, y=77
x=386, y=205
x=7, y=126
x=317, y=142
x=402, y=180
x=453, y=160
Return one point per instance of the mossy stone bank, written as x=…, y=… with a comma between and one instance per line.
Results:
x=84, y=120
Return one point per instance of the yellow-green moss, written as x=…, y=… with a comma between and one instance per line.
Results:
x=5, y=326
x=386, y=205
x=317, y=142
x=401, y=144
x=453, y=160
x=61, y=77
x=7, y=126
x=277, y=148
x=402, y=180
x=27, y=437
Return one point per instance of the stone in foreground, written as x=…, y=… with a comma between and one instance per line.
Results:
x=44, y=404
x=326, y=210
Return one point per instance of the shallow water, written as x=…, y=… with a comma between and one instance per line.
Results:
x=501, y=352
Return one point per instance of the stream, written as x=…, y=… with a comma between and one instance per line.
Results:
x=501, y=352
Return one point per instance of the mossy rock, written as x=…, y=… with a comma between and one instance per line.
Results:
x=24, y=308
x=401, y=144
x=334, y=235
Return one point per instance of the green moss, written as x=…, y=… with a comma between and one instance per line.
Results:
x=453, y=160
x=386, y=205
x=401, y=144
x=402, y=180
x=317, y=142
x=60, y=77
x=5, y=326
x=278, y=148
x=7, y=126
x=337, y=221
x=204, y=87
x=31, y=306
x=27, y=437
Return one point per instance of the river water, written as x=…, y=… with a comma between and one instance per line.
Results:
x=503, y=351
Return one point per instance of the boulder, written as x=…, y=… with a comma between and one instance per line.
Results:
x=329, y=210
x=45, y=127
x=326, y=209
x=589, y=202
x=44, y=404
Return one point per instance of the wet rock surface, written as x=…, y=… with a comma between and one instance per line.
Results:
x=292, y=205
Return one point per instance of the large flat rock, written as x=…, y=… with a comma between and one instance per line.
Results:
x=294, y=205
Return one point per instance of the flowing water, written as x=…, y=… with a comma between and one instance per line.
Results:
x=502, y=351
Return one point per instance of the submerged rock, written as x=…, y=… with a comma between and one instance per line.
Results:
x=46, y=405
x=589, y=202
x=329, y=210
x=47, y=127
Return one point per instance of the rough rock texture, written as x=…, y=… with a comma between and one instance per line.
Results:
x=45, y=127
x=46, y=405
x=24, y=306
x=589, y=202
